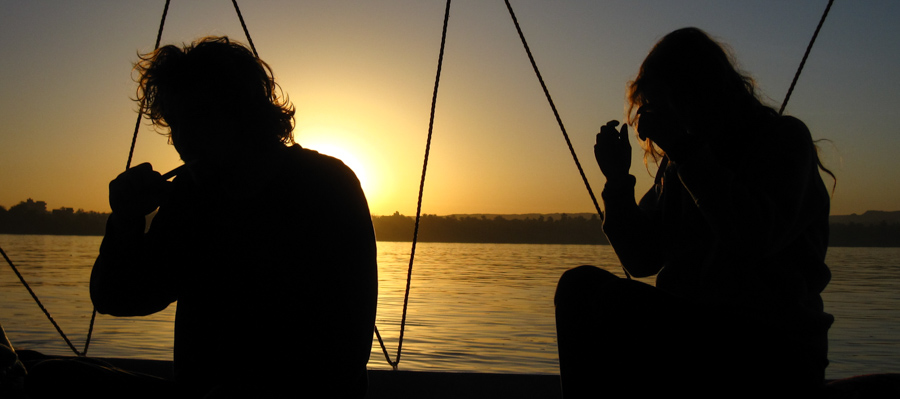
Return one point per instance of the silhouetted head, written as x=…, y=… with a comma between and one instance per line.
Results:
x=215, y=96
x=691, y=76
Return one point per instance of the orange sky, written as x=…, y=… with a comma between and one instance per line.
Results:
x=361, y=73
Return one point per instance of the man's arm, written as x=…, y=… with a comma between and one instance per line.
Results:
x=123, y=281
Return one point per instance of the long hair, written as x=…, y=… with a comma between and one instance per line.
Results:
x=214, y=77
x=697, y=75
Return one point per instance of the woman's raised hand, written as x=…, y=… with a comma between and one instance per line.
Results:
x=613, y=151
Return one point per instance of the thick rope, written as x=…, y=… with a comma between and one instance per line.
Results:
x=553, y=107
x=805, y=55
x=412, y=255
x=40, y=304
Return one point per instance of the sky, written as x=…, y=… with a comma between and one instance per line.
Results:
x=361, y=75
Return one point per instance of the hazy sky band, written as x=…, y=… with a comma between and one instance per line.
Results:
x=361, y=74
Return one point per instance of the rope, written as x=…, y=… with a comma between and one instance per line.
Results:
x=137, y=124
x=553, y=107
x=412, y=255
x=559, y=121
x=805, y=55
x=137, y=127
x=243, y=25
x=41, y=305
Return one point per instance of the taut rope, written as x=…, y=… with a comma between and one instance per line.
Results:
x=559, y=121
x=553, y=107
x=137, y=124
x=243, y=25
x=805, y=55
x=137, y=127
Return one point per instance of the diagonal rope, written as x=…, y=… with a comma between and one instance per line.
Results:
x=559, y=121
x=805, y=55
x=137, y=127
x=553, y=107
x=40, y=304
x=412, y=255
x=243, y=25
x=137, y=124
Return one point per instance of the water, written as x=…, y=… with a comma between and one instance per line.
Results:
x=473, y=307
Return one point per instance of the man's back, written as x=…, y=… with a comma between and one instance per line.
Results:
x=270, y=260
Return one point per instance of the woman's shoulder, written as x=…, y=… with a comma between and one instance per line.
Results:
x=785, y=127
x=782, y=134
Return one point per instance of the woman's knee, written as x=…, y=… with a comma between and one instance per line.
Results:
x=580, y=283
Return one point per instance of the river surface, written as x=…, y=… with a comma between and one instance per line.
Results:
x=472, y=307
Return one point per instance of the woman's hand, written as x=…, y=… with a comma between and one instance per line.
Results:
x=613, y=151
x=137, y=191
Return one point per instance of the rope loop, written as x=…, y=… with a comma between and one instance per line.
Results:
x=412, y=254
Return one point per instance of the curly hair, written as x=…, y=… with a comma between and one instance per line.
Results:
x=214, y=77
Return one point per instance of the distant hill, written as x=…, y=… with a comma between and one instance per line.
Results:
x=871, y=229
x=867, y=219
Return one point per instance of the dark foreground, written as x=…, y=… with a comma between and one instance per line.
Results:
x=389, y=384
x=418, y=384
x=441, y=385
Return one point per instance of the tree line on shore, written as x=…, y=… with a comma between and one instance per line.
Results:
x=33, y=217
x=540, y=229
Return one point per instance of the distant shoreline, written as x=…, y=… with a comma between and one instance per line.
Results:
x=870, y=229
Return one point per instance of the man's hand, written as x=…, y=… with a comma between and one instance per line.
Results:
x=137, y=191
x=613, y=151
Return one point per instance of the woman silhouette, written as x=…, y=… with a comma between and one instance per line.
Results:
x=735, y=228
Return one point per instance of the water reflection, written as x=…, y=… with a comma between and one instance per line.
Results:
x=473, y=307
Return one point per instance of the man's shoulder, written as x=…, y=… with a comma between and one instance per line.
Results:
x=299, y=155
x=311, y=163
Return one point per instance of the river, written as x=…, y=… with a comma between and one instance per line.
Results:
x=473, y=307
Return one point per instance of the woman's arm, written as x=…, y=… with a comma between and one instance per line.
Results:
x=624, y=223
x=630, y=228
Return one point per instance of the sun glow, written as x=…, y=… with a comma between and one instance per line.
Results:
x=352, y=153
